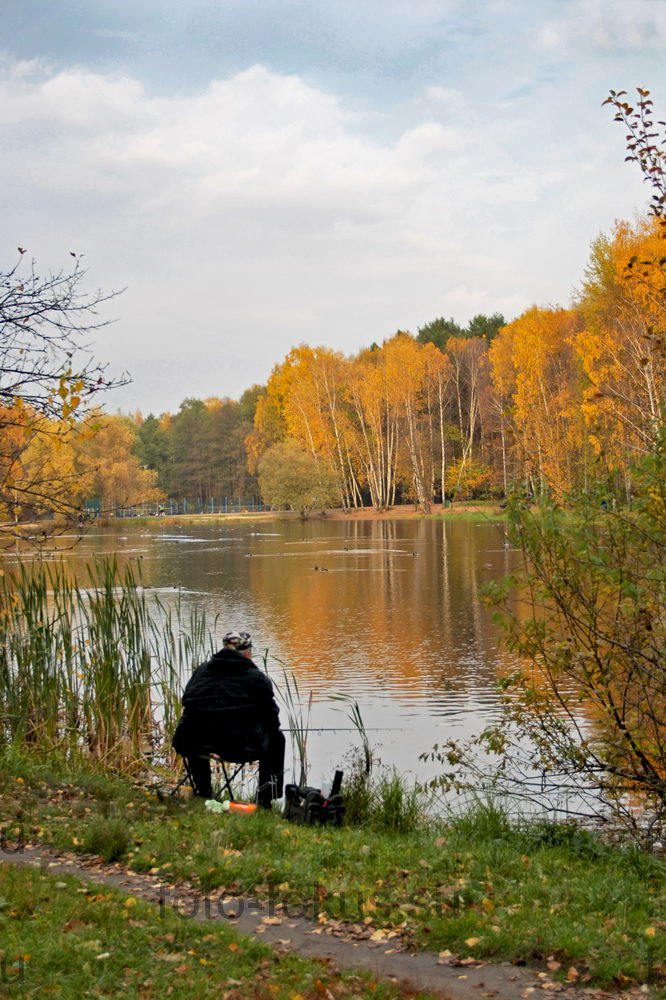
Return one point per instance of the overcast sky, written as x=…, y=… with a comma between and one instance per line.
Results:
x=264, y=173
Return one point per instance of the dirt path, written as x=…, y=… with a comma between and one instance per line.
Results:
x=342, y=945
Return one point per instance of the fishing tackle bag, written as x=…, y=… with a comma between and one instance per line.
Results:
x=307, y=806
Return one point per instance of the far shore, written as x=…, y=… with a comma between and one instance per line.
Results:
x=483, y=508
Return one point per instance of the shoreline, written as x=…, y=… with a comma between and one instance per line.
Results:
x=407, y=513
x=462, y=510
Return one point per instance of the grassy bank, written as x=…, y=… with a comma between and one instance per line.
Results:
x=461, y=508
x=476, y=886
x=63, y=939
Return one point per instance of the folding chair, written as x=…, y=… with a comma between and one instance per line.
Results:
x=224, y=786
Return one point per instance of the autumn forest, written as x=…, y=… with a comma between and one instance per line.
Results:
x=548, y=403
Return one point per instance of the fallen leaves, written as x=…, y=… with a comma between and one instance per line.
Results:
x=383, y=934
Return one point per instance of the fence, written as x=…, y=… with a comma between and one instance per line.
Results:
x=211, y=505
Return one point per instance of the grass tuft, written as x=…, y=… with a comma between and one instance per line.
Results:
x=107, y=837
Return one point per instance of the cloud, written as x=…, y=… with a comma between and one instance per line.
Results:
x=255, y=214
x=610, y=28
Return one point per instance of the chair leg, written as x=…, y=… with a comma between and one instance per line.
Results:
x=227, y=784
x=228, y=780
x=187, y=777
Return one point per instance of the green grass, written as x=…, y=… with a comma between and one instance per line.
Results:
x=61, y=938
x=382, y=800
x=487, y=511
x=478, y=885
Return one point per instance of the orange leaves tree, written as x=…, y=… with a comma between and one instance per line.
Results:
x=307, y=400
x=380, y=424
x=622, y=346
x=108, y=468
x=48, y=378
x=535, y=374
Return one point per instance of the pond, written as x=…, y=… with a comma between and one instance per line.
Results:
x=385, y=612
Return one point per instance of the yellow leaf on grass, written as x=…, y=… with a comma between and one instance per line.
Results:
x=650, y=931
x=470, y=942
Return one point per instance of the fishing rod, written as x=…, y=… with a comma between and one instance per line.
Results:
x=348, y=729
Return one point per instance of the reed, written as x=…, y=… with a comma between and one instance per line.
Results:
x=94, y=669
x=355, y=717
x=299, y=722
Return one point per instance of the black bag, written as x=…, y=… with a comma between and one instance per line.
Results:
x=307, y=806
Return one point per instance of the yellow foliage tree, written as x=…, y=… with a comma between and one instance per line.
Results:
x=533, y=368
x=108, y=468
x=47, y=380
x=622, y=347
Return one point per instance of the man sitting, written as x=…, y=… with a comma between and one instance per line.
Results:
x=229, y=709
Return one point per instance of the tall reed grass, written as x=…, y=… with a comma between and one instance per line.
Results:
x=96, y=668
x=299, y=723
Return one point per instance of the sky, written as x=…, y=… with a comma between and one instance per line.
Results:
x=258, y=174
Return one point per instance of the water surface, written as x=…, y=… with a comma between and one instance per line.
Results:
x=385, y=612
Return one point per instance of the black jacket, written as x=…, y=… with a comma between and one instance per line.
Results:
x=228, y=708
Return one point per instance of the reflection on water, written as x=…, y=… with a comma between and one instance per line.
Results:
x=386, y=612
